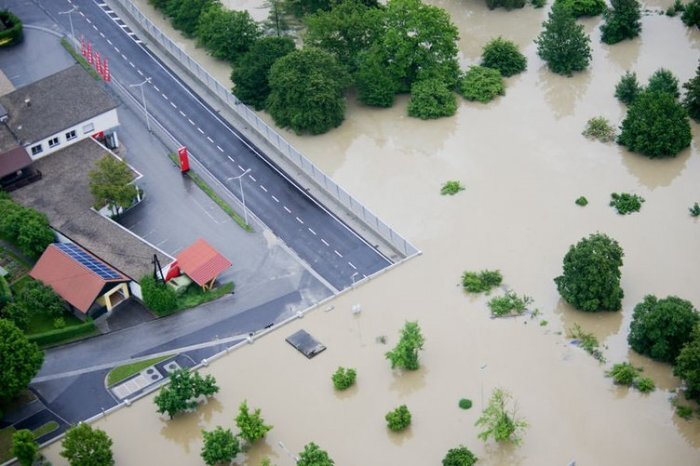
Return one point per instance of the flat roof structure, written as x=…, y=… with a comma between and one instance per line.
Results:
x=202, y=263
x=63, y=194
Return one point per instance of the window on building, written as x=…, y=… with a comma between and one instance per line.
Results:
x=88, y=128
x=53, y=142
x=70, y=135
x=37, y=149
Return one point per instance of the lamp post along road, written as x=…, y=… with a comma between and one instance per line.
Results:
x=143, y=100
x=70, y=20
x=240, y=183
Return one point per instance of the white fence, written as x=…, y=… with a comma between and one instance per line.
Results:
x=272, y=136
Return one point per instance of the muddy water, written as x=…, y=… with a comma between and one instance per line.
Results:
x=523, y=161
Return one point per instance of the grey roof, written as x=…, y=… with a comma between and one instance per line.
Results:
x=63, y=194
x=13, y=160
x=56, y=102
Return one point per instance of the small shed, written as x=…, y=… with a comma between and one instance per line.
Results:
x=88, y=284
x=202, y=263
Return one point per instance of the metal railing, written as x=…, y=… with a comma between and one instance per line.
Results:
x=273, y=137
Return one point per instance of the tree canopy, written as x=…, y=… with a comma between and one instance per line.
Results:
x=503, y=55
x=314, y=456
x=663, y=80
x=591, y=278
x=220, y=446
x=20, y=360
x=110, y=184
x=185, y=13
x=562, y=43
x=26, y=228
x=306, y=91
x=184, y=391
x=661, y=327
x=460, y=456
x=687, y=365
x=430, y=98
x=656, y=125
x=621, y=22
x=405, y=353
x=227, y=34
x=251, y=425
x=24, y=447
x=499, y=419
x=85, y=446
x=251, y=74
x=691, y=98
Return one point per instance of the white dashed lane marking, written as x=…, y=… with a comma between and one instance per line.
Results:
x=210, y=139
x=351, y=265
x=300, y=220
x=191, y=122
x=312, y=232
x=230, y=158
x=275, y=199
x=218, y=147
x=287, y=209
x=263, y=188
x=337, y=253
x=102, y=35
x=242, y=169
x=139, y=72
x=124, y=57
x=182, y=113
x=156, y=88
x=132, y=64
x=253, y=179
x=200, y=130
x=325, y=242
x=164, y=96
x=110, y=43
x=95, y=27
x=88, y=20
x=175, y=106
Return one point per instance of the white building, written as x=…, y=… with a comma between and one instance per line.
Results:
x=57, y=111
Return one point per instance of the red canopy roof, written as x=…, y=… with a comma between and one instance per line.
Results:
x=201, y=262
x=72, y=280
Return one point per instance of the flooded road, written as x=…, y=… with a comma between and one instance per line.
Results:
x=523, y=162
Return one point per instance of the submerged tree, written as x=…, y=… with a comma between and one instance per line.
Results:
x=24, y=447
x=184, y=391
x=663, y=80
x=306, y=91
x=562, y=43
x=314, y=456
x=252, y=425
x=430, y=98
x=227, y=34
x=220, y=446
x=499, y=420
x=656, y=125
x=405, y=353
x=591, y=278
x=691, y=99
x=621, y=22
x=85, y=446
x=628, y=88
x=687, y=365
x=504, y=56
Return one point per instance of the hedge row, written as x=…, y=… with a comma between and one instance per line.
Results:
x=60, y=335
x=11, y=33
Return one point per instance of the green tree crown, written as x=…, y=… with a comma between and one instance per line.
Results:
x=110, y=184
x=85, y=446
x=227, y=34
x=220, y=446
x=252, y=425
x=405, y=353
x=20, y=360
x=562, y=43
x=314, y=456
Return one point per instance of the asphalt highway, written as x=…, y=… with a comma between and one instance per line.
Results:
x=330, y=247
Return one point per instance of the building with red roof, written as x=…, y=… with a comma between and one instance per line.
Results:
x=88, y=284
x=202, y=263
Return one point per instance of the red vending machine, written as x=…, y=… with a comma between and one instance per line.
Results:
x=184, y=159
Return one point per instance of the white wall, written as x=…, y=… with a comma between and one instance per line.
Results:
x=103, y=122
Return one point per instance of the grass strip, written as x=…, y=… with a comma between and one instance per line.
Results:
x=214, y=197
x=120, y=373
x=80, y=59
x=64, y=335
x=45, y=429
x=6, y=443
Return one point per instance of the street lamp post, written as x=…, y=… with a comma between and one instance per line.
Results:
x=240, y=183
x=143, y=100
x=70, y=19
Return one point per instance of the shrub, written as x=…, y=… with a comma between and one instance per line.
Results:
x=661, y=327
x=663, y=81
x=398, y=419
x=17, y=314
x=694, y=210
x=656, y=125
x=460, y=456
x=621, y=22
x=314, y=456
x=591, y=278
x=599, y=128
x=508, y=304
x=582, y=201
x=562, y=43
x=538, y=3
x=623, y=373
x=24, y=447
x=252, y=425
x=507, y=4
x=691, y=14
x=691, y=98
x=26, y=228
x=451, y=188
x=405, y=353
x=344, y=378
x=587, y=341
x=430, y=98
x=185, y=14
x=504, y=56
x=581, y=8
x=39, y=298
x=626, y=203
x=687, y=365
x=481, y=84
x=684, y=411
x=62, y=334
x=84, y=445
x=628, y=88
x=11, y=30
x=499, y=420
x=220, y=446
x=644, y=384
x=157, y=296
x=464, y=403
x=485, y=280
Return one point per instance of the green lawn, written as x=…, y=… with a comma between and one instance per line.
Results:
x=14, y=264
x=6, y=443
x=45, y=429
x=120, y=373
x=40, y=323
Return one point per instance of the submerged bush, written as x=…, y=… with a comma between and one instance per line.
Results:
x=477, y=282
x=599, y=128
x=504, y=56
x=430, y=98
x=460, y=456
x=583, y=7
x=621, y=22
x=694, y=210
x=507, y=4
x=509, y=304
x=663, y=81
x=451, y=188
x=691, y=14
x=582, y=201
x=626, y=203
x=482, y=84
x=587, y=341
x=344, y=378
x=691, y=98
x=628, y=88
x=398, y=419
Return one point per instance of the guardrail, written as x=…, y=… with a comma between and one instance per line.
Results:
x=272, y=136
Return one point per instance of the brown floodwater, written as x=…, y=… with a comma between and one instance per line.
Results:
x=523, y=162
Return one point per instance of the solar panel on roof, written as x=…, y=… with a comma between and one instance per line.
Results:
x=105, y=272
